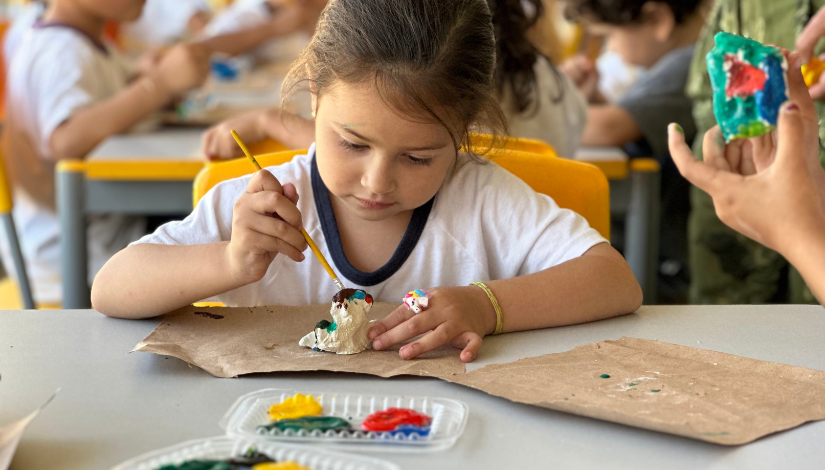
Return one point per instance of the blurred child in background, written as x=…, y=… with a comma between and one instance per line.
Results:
x=67, y=91
x=163, y=24
x=270, y=30
x=658, y=36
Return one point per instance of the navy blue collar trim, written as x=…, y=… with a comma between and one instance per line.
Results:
x=330, y=228
x=99, y=45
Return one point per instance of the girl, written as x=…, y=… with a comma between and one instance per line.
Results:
x=539, y=102
x=385, y=193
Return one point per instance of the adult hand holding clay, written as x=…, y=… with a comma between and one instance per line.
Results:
x=770, y=188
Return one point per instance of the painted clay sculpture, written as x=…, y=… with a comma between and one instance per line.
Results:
x=749, y=83
x=347, y=334
x=297, y=406
x=398, y=420
x=250, y=461
x=308, y=423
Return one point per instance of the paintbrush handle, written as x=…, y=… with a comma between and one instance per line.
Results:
x=314, y=248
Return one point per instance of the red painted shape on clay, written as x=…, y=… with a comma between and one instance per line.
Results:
x=743, y=78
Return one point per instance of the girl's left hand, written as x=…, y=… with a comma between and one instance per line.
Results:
x=460, y=316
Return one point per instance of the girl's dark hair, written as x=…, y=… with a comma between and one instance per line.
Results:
x=432, y=58
x=516, y=55
x=625, y=12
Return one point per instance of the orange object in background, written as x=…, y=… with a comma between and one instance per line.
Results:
x=4, y=26
x=111, y=31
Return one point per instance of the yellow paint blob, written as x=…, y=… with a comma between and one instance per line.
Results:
x=290, y=465
x=812, y=71
x=295, y=407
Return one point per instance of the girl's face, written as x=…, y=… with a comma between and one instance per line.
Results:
x=376, y=161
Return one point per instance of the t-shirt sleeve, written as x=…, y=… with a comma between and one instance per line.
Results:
x=209, y=222
x=526, y=232
x=61, y=88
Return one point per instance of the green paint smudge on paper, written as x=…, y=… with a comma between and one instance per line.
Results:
x=632, y=384
x=605, y=376
x=656, y=391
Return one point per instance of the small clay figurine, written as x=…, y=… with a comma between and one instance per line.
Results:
x=347, y=334
x=749, y=83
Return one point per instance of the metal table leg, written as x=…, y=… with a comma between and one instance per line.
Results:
x=642, y=225
x=19, y=263
x=71, y=207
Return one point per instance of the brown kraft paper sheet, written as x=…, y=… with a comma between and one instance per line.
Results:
x=696, y=393
x=228, y=342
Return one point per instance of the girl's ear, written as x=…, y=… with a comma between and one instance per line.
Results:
x=660, y=17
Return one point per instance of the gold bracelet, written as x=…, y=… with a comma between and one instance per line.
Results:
x=494, y=301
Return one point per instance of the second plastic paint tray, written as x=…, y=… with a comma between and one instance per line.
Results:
x=449, y=419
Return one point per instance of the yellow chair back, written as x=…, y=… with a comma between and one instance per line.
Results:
x=5, y=184
x=577, y=186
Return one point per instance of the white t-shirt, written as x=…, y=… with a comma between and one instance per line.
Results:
x=246, y=14
x=484, y=224
x=162, y=23
x=559, y=124
x=29, y=14
x=55, y=72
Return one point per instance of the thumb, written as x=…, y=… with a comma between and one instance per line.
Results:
x=291, y=193
x=790, y=135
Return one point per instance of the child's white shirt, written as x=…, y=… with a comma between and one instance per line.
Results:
x=162, y=23
x=29, y=14
x=55, y=72
x=246, y=14
x=483, y=224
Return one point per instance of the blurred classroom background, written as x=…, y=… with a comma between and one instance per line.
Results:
x=149, y=171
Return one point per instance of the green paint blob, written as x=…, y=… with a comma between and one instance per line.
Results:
x=332, y=327
x=309, y=423
x=247, y=461
x=323, y=324
x=605, y=376
x=632, y=384
x=656, y=391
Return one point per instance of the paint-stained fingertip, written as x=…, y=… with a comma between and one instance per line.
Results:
x=789, y=107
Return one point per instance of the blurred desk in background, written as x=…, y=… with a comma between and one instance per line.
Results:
x=634, y=195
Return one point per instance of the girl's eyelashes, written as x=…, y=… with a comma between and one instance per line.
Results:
x=420, y=161
x=352, y=146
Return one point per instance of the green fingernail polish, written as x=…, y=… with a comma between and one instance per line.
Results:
x=679, y=128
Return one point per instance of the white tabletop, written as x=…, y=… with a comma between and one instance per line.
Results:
x=114, y=405
x=177, y=143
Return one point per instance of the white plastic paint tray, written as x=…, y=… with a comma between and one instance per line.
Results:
x=220, y=448
x=449, y=419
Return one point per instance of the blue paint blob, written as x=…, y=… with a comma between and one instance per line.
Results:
x=774, y=94
x=407, y=429
x=359, y=294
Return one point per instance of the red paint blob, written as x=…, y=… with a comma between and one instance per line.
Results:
x=743, y=78
x=391, y=418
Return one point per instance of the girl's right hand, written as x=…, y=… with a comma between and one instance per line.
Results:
x=265, y=222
